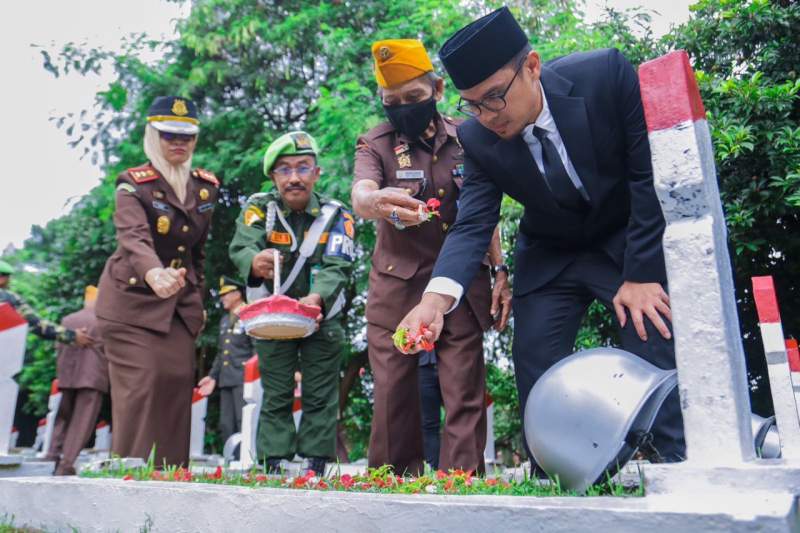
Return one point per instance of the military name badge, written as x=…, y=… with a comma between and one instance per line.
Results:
x=162, y=225
x=202, y=208
x=411, y=175
x=403, y=154
x=203, y=194
x=252, y=215
x=161, y=206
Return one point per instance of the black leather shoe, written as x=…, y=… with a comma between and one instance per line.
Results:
x=317, y=464
x=273, y=465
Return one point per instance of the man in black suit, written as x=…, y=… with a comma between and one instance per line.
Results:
x=567, y=140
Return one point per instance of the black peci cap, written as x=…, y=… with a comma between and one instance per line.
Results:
x=482, y=47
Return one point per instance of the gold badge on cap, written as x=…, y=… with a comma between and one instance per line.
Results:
x=301, y=141
x=384, y=52
x=162, y=225
x=179, y=107
x=204, y=194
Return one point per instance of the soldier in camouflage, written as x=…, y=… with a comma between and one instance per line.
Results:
x=38, y=326
x=282, y=220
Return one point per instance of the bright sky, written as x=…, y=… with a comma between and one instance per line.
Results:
x=41, y=175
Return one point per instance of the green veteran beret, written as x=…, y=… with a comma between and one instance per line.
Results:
x=292, y=143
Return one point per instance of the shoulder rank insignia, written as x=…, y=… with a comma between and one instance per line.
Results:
x=252, y=215
x=143, y=174
x=205, y=175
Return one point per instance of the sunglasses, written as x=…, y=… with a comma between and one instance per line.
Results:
x=182, y=137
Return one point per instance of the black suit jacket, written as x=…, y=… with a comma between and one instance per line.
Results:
x=595, y=101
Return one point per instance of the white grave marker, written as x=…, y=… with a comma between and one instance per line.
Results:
x=199, y=410
x=102, y=436
x=53, y=403
x=253, y=396
x=708, y=350
x=13, y=330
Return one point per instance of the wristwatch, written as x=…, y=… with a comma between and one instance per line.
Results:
x=502, y=267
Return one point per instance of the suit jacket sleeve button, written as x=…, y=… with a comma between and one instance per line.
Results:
x=390, y=268
x=181, y=248
x=132, y=281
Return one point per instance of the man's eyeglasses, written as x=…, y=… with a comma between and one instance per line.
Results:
x=303, y=171
x=182, y=137
x=493, y=102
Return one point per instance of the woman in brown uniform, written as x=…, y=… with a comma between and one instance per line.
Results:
x=150, y=305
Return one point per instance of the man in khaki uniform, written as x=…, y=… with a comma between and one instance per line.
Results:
x=399, y=166
x=83, y=381
x=316, y=274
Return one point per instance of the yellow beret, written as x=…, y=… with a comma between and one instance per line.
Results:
x=399, y=60
x=90, y=294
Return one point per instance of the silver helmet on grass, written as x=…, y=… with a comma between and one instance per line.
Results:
x=586, y=416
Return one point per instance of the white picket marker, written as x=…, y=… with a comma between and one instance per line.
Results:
x=712, y=378
x=253, y=396
x=199, y=410
x=13, y=330
x=793, y=354
x=12, y=443
x=39, y=440
x=53, y=403
x=102, y=436
x=489, y=454
x=780, y=379
x=297, y=407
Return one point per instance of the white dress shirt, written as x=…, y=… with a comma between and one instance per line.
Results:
x=545, y=121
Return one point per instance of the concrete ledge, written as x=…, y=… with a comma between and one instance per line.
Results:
x=115, y=505
x=775, y=475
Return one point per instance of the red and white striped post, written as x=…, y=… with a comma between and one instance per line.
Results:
x=198, y=433
x=253, y=396
x=102, y=436
x=489, y=454
x=53, y=403
x=780, y=379
x=712, y=377
x=13, y=330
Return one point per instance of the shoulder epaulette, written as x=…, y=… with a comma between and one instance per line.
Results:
x=143, y=174
x=256, y=196
x=204, y=174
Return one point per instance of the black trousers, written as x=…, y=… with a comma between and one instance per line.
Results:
x=431, y=403
x=546, y=322
x=231, y=401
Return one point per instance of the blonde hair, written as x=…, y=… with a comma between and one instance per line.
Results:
x=176, y=176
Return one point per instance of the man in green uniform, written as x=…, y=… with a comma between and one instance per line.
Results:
x=234, y=349
x=38, y=326
x=314, y=236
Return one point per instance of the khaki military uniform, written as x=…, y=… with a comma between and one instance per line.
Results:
x=149, y=341
x=234, y=349
x=402, y=263
x=326, y=272
x=83, y=381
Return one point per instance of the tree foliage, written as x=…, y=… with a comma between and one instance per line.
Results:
x=257, y=68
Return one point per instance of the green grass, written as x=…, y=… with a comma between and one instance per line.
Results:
x=375, y=480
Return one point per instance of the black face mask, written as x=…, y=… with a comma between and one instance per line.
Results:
x=411, y=119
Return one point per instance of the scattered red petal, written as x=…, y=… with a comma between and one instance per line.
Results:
x=127, y=478
x=449, y=484
x=322, y=484
x=217, y=473
x=491, y=482
x=440, y=474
